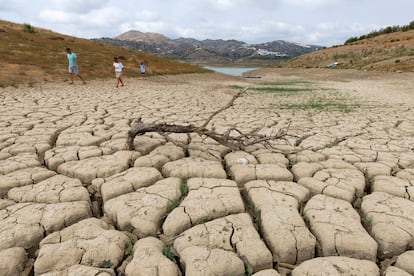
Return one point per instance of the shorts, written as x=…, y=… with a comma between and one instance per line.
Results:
x=118, y=74
x=74, y=70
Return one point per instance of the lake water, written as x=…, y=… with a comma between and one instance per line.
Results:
x=234, y=71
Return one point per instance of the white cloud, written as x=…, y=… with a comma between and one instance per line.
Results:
x=269, y=30
x=78, y=6
x=55, y=16
x=146, y=15
x=205, y=30
x=224, y=4
x=322, y=22
x=336, y=33
x=102, y=17
x=105, y=17
x=8, y=6
x=242, y=4
x=311, y=3
x=94, y=23
x=145, y=26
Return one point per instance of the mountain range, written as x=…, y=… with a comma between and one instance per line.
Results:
x=209, y=50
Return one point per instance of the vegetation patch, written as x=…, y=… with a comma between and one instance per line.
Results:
x=304, y=95
x=184, y=188
x=321, y=105
x=281, y=89
x=172, y=204
x=285, y=87
x=27, y=28
x=8, y=84
x=129, y=247
x=386, y=30
x=256, y=212
x=105, y=264
x=168, y=252
x=290, y=82
x=367, y=222
x=376, y=51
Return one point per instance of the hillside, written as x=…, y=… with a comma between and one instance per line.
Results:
x=386, y=52
x=40, y=56
x=209, y=51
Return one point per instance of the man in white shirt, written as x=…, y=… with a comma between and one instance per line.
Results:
x=118, y=71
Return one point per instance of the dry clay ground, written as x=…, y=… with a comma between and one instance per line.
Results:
x=335, y=196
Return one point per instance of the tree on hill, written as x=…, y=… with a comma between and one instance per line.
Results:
x=386, y=30
x=27, y=28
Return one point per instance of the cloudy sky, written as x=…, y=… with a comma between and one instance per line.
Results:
x=320, y=22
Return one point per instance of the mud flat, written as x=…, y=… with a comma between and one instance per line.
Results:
x=333, y=196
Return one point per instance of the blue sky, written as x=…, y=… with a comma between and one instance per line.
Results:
x=320, y=22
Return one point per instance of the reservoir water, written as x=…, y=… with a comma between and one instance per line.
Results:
x=234, y=71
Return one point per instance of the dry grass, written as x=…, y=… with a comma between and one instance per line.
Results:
x=388, y=52
x=40, y=56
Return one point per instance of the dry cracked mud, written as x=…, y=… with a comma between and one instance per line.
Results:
x=334, y=195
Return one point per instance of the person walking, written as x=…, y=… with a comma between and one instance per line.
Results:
x=118, y=71
x=142, y=69
x=73, y=66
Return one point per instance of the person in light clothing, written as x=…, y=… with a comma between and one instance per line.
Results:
x=142, y=69
x=73, y=66
x=118, y=71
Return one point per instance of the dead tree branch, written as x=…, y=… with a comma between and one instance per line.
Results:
x=239, y=141
x=227, y=106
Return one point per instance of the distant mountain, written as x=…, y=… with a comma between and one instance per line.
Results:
x=190, y=49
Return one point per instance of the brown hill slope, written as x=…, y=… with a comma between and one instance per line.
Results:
x=140, y=36
x=388, y=52
x=40, y=56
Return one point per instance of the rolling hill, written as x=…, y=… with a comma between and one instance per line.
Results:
x=209, y=51
x=31, y=54
x=386, y=52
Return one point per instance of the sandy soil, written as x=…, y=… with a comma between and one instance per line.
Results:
x=335, y=192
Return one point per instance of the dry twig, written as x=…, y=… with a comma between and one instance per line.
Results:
x=234, y=142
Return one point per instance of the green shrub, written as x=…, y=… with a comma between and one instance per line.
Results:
x=27, y=28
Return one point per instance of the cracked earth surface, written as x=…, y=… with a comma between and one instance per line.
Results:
x=335, y=197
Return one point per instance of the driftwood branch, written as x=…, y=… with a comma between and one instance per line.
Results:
x=227, y=106
x=235, y=142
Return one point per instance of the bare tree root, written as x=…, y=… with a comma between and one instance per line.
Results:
x=233, y=138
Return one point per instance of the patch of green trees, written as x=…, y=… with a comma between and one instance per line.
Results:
x=386, y=30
